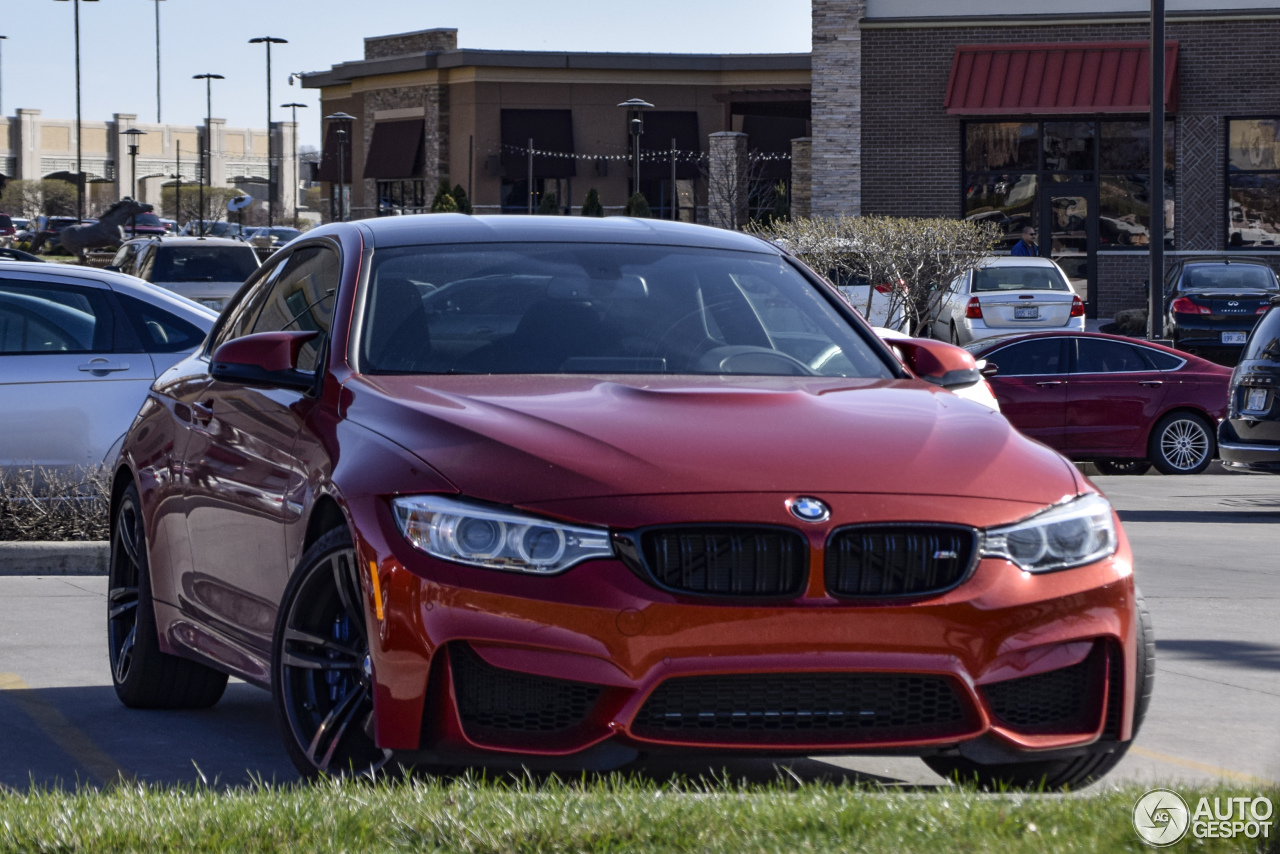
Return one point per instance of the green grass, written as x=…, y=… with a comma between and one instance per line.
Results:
x=612, y=815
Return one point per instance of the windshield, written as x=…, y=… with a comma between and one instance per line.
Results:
x=1018, y=279
x=602, y=309
x=204, y=264
x=147, y=219
x=1228, y=277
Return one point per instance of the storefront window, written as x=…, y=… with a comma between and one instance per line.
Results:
x=1253, y=183
x=1006, y=201
x=1068, y=146
x=996, y=146
x=402, y=197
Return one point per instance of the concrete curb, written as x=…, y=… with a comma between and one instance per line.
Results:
x=45, y=558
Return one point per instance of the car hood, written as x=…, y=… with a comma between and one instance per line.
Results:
x=529, y=439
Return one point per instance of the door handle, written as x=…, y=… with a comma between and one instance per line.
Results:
x=1150, y=382
x=1050, y=382
x=104, y=366
x=201, y=413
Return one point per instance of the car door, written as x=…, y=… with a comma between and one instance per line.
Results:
x=239, y=458
x=1113, y=396
x=1031, y=386
x=946, y=310
x=66, y=395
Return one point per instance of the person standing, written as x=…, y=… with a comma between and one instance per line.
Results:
x=1026, y=247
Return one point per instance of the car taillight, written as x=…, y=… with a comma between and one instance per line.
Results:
x=1262, y=309
x=1077, y=307
x=1183, y=305
x=973, y=310
x=882, y=289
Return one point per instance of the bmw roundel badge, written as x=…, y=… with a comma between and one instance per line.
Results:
x=808, y=509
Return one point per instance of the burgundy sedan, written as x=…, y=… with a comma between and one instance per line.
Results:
x=1123, y=404
x=564, y=491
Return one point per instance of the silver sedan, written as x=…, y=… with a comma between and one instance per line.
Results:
x=79, y=348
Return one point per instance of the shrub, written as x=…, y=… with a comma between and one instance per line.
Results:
x=637, y=205
x=461, y=200
x=48, y=504
x=443, y=202
x=549, y=206
x=591, y=205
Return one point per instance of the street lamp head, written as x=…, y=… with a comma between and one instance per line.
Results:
x=207, y=77
x=299, y=106
x=635, y=104
x=134, y=132
x=340, y=117
x=268, y=40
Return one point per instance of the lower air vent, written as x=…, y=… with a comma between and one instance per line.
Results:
x=1063, y=700
x=493, y=699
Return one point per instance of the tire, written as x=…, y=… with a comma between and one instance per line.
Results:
x=1122, y=467
x=955, y=336
x=1182, y=443
x=321, y=675
x=1075, y=772
x=145, y=677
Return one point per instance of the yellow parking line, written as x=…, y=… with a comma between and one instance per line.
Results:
x=60, y=731
x=1212, y=770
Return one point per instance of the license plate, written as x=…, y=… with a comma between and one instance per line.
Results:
x=1234, y=337
x=215, y=304
x=1030, y=313
x=1257, y=400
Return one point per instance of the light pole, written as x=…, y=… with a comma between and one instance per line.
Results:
x=635, y=111
x=344, y=121
x=271, y=184
x=177, y=188
x=79, y=159
x=295, y=105
x=133, y=134
x=2, y=38
x=208, y=138
x=157, y=62
x=1155, y=294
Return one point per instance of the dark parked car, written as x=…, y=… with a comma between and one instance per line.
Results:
x=650, y=517
x=7, y=226
x=46, y=230
x=1122, y=404
x=147, y=224
x=1249, y=439
x=18, y=255
x=1214, y=302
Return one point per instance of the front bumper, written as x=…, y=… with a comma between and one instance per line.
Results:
x=604, y=641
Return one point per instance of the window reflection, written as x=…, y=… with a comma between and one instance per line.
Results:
x=993, y=146
x=1253, y=183
x=1068, y=146
x=1006, y=201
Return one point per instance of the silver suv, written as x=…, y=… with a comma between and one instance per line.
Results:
x=208, y=270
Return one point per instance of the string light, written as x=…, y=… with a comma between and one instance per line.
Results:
x=650, y=156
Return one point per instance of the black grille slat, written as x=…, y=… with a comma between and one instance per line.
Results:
x=898, y=560
x=727, y=561
x=801, y=706
x=490, y=698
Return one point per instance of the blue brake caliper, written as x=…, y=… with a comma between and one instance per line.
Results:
x=335, y=678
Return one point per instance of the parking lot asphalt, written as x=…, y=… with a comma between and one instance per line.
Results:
x=1206, y=562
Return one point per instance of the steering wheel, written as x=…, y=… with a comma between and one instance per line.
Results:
x=746, y=359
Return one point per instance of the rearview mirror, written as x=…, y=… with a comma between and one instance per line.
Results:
x=267, y=360
x=938, y=363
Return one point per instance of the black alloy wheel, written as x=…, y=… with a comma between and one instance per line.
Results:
x=1122, y=467
x=322, y=675
x=145, y=677
x=1182, y=443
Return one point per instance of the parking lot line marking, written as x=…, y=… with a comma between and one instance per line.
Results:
x=1212, y=770
x=60, y=731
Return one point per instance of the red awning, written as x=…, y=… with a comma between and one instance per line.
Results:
x=1035, y=79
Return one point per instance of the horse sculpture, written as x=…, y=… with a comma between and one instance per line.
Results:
x=107, y=231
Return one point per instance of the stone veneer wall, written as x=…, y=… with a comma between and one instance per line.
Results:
x=403, y=44
x=837, y=107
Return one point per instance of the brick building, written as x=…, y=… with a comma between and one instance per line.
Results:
x=426, y=111
x=1022, y=114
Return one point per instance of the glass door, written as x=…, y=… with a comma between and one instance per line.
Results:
x=1069, y=235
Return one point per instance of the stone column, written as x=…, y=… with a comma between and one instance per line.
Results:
x=284, y=144
x=727, y=180
x=118, y=150
x=837, y=107
x=26, y=145
x=802, y=177
x=218, y=153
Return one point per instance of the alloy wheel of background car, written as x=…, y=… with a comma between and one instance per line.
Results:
x=1182, y=443
x=143, y=675
x=322, y=676
x=1122, y=467
x=1072, y=773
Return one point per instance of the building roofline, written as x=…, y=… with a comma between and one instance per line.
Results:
x=470, y=57
x=1064, y=19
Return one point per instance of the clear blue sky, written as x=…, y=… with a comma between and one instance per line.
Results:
x=118, y=44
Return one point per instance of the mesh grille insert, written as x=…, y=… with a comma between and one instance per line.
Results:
x=494, y=699
x=1061, y=699
x=801, y=707
x=728, y=561
x=903, y=560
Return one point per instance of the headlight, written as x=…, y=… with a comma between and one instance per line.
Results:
x=1077, y=532
x=456, y=530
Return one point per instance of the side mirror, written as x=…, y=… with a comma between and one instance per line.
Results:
x=111, y=268
x=941, y=364
x=267, y=360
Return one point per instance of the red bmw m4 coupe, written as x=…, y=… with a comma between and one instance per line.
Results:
x=469, y=490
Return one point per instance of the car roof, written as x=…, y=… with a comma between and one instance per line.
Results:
x=189, y=241
x=188, y=310
x=1223, y=259
x=1017, y=261
x=426, y=229
x=1066, y=333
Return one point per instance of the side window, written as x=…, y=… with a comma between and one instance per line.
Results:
x=302, y=297
x=124, y=257
x=1100, y=356
x=37, y=317
x=160, y=331
x=145, y=263
x=1030, y=358
x=1160, y=360
x=239, y=322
